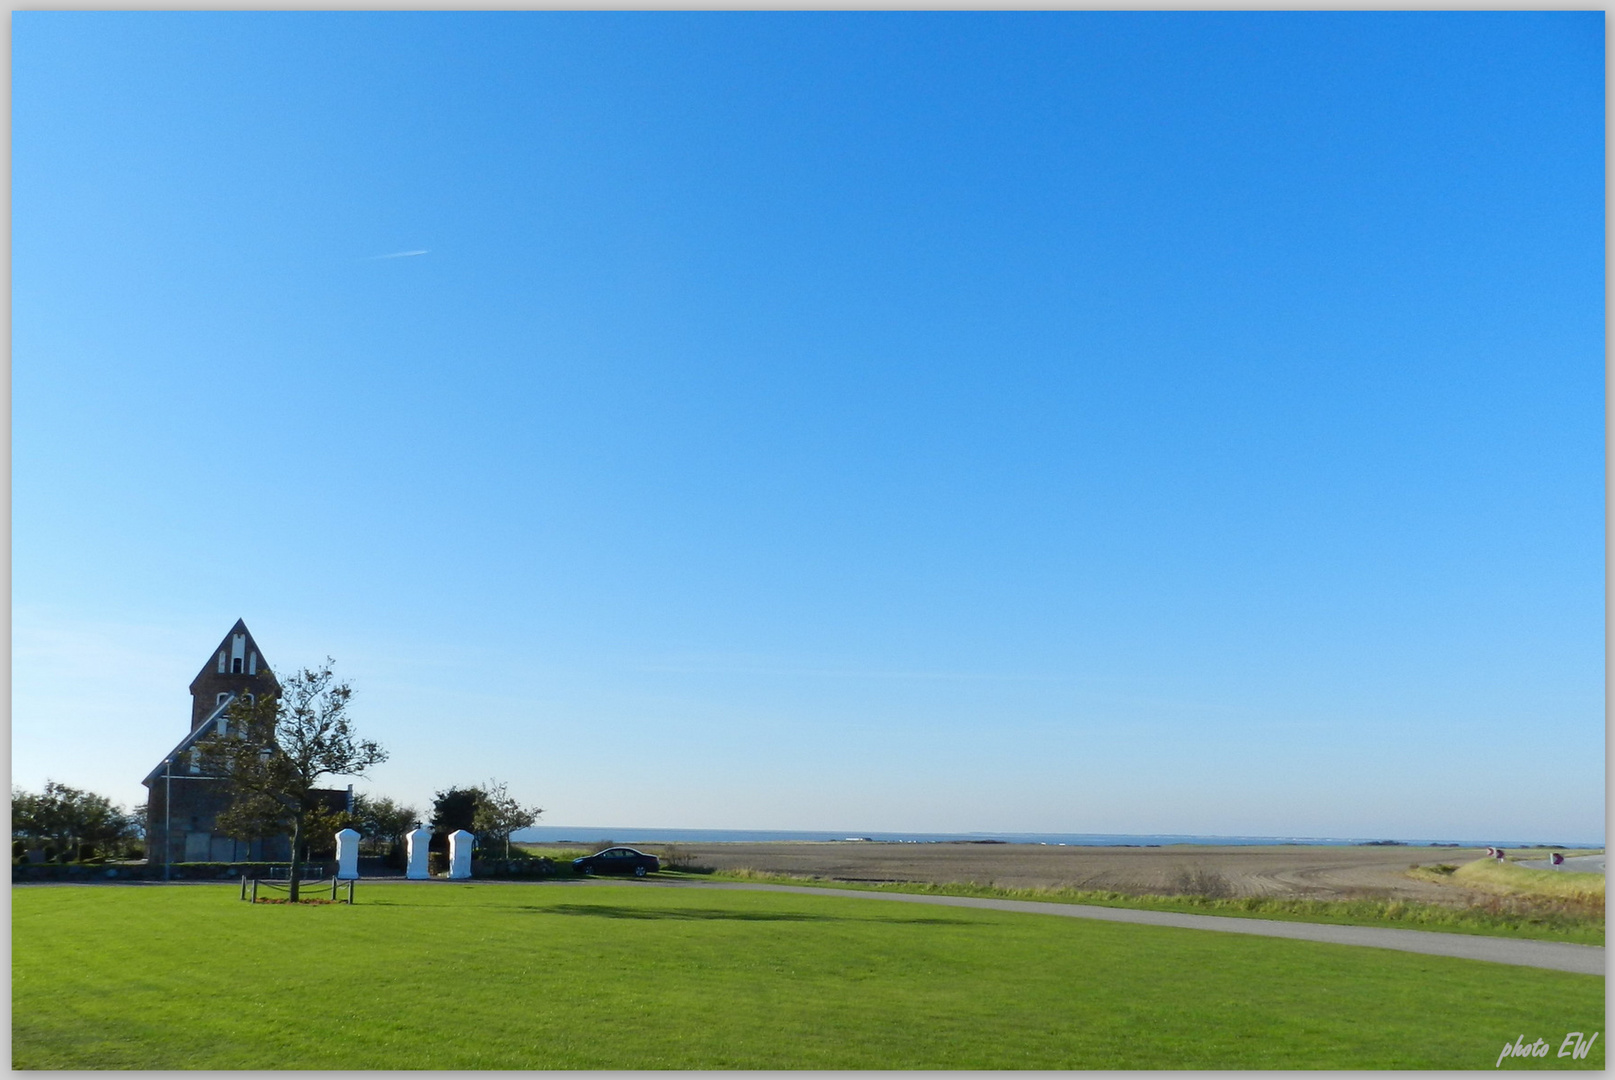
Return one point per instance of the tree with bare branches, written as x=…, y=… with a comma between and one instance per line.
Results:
x=498, y=815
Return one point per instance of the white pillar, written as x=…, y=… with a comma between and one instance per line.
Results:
x=347, y=855
x=416, y=842
x=460, y=853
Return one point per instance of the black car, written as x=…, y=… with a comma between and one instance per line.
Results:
x=618, y=860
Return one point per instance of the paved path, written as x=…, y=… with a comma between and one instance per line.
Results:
x=1554, y=955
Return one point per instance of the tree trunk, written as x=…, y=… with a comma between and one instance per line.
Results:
x=296, y=874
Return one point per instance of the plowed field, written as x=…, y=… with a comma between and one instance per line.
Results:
x=1312, y=872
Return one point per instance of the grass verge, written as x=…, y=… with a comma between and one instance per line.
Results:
x=1498, y=916
x=553, y=975
x=1510, y=879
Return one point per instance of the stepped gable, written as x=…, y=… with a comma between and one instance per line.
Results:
x=237, y=667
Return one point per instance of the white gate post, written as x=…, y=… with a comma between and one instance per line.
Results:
x=417, y=842
x=347, y=855
x=460, y=853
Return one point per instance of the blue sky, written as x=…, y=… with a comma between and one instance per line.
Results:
x=1045, y=422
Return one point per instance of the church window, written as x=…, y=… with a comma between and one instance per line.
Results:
x=224, y=725
x=222, y=698
x=251, y=698
x=235, y=666
x=196, y=760
x=252, y=663
x=221, y=661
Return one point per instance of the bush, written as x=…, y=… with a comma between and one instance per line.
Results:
x=517, y=854
x=1202, y=882
x=678, y=857
x=315, y=868
x=437, y=862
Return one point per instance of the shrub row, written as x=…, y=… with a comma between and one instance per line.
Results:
x=194, y=871
x=216, y=871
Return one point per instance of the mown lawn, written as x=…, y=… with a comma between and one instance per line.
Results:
x=520, y=976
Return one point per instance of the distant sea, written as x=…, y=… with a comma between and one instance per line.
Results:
x=588, y=834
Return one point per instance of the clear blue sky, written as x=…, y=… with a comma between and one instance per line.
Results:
x=1042, y=422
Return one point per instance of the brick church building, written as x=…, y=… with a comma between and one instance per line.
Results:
x=183, y=802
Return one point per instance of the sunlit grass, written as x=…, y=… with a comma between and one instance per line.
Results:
x=608, y=976
x=1510, y=878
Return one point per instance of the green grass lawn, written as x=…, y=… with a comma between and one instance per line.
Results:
x=516, y=976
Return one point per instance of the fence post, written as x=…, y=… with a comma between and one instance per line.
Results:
x=243, y=887
x=350, y=892
x=333, y=890
x=254, y=890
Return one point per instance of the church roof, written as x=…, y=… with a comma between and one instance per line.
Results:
x=204, y=728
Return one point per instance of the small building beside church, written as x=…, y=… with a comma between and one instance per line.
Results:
x=183, y=802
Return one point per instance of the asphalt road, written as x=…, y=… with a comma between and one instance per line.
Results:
x=1554, y=955
x=1585, y=864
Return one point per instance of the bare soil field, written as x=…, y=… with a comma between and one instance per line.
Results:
x=1301, y=871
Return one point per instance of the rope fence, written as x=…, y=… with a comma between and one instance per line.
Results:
x=250, y=887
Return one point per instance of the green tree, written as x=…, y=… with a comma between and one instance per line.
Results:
x=382, y=821
x=69, y=819
x=320, y=829
x=278, y=750
x=455, y=809
x=485, y=810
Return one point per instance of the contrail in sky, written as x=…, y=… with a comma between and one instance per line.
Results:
x=399, y=255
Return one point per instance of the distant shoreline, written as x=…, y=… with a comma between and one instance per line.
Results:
x=557, y=834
